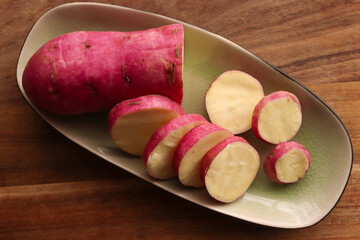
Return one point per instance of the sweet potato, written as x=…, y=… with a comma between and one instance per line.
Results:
x=159, y=151
x=87, y=71
x=192, y=148
x=288, y=162
x=132, y=122
x=231, y=98
x=277, y=117
x=229, y=168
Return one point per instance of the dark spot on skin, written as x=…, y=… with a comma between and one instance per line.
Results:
x=86, y=46
x=52, y=75
x=53, y=46
x=124, y=74
x=53, y=71
x=127, y=79
x=125, y=38
x=133, y=103
x=177, y=52
x=169, y=71
x=52, y=88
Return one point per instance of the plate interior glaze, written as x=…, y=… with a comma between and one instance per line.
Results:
x=206, y=56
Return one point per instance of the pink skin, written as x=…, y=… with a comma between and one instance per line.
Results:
x=84, y=71
x=278, y=152
x=212, y=153
x=265, y=100
x=142, y=103
x=190, y=139
x=161, y=133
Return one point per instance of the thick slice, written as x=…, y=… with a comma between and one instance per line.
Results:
x=288, y=162
x=192, y=148
x=229, y=168
x=159, y=152
x=230, y=100
x=132, y=122
x=277, y=117
x=87, y=71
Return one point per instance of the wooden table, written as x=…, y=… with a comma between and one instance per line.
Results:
x=50, y=188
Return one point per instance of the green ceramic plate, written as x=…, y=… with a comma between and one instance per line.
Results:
x=206, y=56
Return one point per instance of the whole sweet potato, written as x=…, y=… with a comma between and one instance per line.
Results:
x=86, y=71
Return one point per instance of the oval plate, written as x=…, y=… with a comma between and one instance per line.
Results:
x=206, y=56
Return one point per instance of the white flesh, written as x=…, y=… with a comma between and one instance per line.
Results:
x=159, y=163
x=232, y=171
x=231, y=99
x=279, y=120
x=132, y=132
x=292, y=166
x=189, y=172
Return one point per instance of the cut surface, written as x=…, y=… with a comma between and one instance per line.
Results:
x=132, y=132
x=230, y=100
x=159, y=162
x=279, y=120
x=232, y=171
x=189, y=170
x=292, y=166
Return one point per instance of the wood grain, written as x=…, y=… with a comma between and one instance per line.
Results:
x=50, y=188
